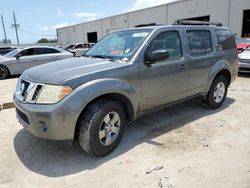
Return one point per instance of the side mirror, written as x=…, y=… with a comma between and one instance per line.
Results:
x=18, y=56
x=158, y=55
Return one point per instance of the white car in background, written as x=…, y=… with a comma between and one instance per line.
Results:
x=19, y=60
x=244, y=61
x=79, y=49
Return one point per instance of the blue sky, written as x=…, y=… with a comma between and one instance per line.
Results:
x=39, y=19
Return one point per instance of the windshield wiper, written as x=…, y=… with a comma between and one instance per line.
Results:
x=103, y=57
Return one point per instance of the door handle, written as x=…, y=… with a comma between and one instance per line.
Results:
x=33, y=58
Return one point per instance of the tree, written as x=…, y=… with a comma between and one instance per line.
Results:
x=44, y=40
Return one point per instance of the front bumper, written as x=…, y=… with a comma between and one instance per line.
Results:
x=244, y=67
x=55, y=122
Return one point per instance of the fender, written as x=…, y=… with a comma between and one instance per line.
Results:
x=215, y=69
x=96, y=88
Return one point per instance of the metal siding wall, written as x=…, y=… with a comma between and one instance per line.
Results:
x=217, y=9
x=153, y=15
x=94, y=26
x=76, y=33
x=236, y=15
x=114, y=23
x=230, y=15
x=62, y=35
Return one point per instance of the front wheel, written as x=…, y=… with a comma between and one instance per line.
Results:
x=217, y=93
x=101, y=127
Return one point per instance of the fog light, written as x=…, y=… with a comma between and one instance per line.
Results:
x=42, y=126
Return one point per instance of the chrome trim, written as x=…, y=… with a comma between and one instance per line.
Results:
x=30, y=91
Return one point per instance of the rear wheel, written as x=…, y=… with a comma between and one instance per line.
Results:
x=217, y=93
x=4, y=73
x=101, y=127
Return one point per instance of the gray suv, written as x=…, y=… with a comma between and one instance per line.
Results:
x=124, y=76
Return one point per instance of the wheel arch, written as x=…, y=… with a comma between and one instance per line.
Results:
x=112, y=89
x=122, y=99
x=220, y=68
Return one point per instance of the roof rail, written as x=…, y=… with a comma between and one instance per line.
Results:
x=194, y=22
x=147, y=25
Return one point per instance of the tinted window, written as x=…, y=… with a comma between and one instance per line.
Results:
x=40, y=51
x=168, y=40
x=225, y=39
x=78, y=46
x=207, y=41
x=196, y=43
x=28, y=52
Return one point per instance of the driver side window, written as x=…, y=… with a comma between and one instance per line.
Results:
x=28, y=52
x=167, y=40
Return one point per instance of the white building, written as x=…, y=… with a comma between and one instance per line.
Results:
x=234, y=14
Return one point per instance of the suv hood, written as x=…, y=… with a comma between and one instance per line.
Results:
x=69, y=69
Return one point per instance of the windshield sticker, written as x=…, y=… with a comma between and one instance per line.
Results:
x=142, y=34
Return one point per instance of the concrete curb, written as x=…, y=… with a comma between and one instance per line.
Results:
x=7, y=105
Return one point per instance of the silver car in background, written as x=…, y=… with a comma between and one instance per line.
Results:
x=19, y=60
x=244, y=61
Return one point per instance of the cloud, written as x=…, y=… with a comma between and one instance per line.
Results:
x=91, y=19
x=85, y=14
x=139, y=4
x=60, y=12
x=63, y=24
x=45, y=28
x=78, y=14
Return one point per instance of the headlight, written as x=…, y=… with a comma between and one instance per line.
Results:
x=51, y=94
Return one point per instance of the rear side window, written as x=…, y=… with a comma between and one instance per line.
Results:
x=207, y=41
x=196, y=43
x=200, y=42
x=225, y=39
x=40, y=51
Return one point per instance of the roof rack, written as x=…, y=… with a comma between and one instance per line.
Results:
x=147, y=25
x=194, y=22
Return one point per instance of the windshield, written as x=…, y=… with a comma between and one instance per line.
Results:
x=119, y=45
x=12, y=53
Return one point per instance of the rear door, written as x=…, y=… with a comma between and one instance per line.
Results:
x=201, y=56
x=46, y=55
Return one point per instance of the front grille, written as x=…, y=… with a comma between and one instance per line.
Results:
x=37, y=92
x=23, y=116
x=28, y=91
x=244, y=60
x=24, y=87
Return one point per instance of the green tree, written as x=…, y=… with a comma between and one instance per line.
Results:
x=44, y=40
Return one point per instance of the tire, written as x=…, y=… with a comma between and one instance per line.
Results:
x=101, y=127
x=4, y=72
x=217, y=93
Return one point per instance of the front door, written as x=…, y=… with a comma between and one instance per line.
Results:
x=26, y=61
x=168, y=80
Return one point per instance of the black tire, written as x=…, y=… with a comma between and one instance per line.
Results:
x=92, y=121
x=210, y=99
x=4, y=72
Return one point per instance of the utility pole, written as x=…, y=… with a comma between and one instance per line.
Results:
x=4, y=30
x=15, y=26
